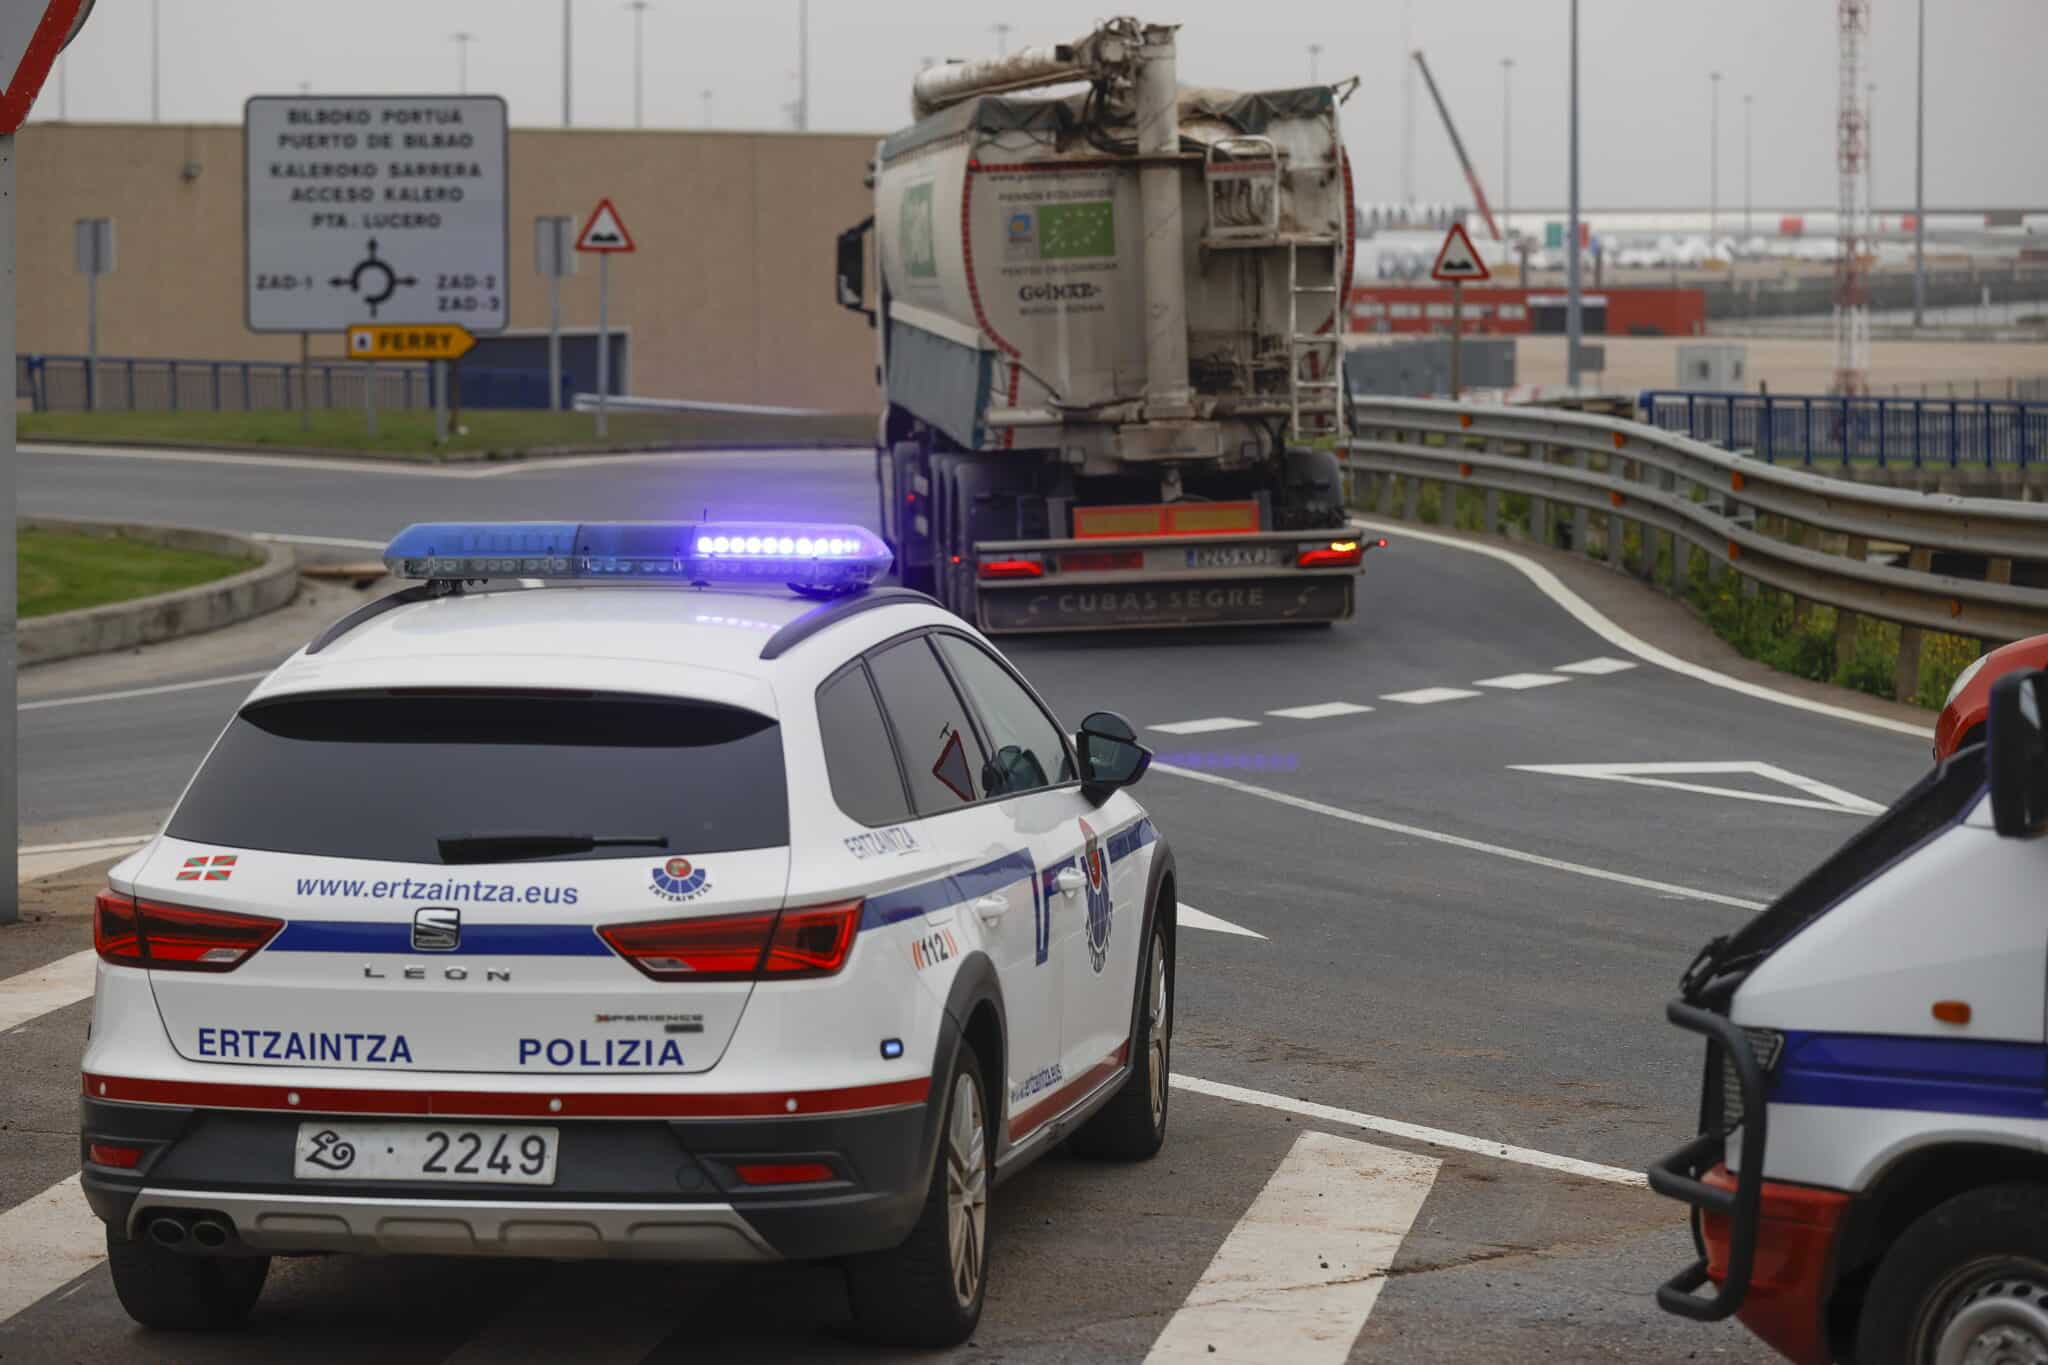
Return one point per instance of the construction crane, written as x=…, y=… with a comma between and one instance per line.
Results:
x=1458, y=145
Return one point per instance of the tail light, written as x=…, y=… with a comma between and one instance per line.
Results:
x=1012, y=568
x=175, y=938
x=766, y=945
x=1337, y=554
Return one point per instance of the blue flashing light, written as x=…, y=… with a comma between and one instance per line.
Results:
x=809, y=558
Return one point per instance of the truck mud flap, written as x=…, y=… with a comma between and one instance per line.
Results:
x=1292, y=599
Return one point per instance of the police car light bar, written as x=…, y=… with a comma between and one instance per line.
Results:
x=811, y=558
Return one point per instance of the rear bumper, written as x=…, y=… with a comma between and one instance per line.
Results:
x=644, y=1185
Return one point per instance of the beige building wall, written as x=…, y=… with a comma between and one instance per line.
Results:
x=728, y=298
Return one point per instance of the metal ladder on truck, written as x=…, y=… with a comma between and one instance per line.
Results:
x=1242, y=178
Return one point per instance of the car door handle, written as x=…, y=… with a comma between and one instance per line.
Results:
x=1070, y=881
x=991, y=908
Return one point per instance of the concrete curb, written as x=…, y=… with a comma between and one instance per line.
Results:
x=166, y=616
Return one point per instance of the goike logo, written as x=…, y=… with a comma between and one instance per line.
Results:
x=1056, y=293
x=1096, y=865
x=678, y=880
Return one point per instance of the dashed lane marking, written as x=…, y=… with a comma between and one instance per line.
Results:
x=1521, y=682
x=1204, y=726
x=130, y=692
x=1429, y=696
x=1412, y=1132
x=1320, y=711
x=39, y=990
x=1299, y=1274
x=1457, y=840
x=45, y=1241
x=1551, y=586
x=1187, y=917
x=1594, y=668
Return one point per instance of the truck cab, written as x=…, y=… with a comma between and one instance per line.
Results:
x=1870, y=1179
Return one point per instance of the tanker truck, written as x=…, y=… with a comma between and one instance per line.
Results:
x=1109, y=328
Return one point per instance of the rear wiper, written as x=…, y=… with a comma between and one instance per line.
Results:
x=508, y=848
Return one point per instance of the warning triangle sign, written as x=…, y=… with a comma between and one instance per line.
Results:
x=1457, y=262
x=605, y=231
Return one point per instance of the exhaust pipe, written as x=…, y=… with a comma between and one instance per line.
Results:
x=166, y=1231
x=210, y=1234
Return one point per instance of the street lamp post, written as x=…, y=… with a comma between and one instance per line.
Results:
x=707, y=108
x=1919, y=176
x=803, y=66
x=156, y=61
x=639, y=8
x=566, y=37
x=1747, y=231
x=1714, y=158
x=1507, y=198
x=1315, y=65
x=462, y=42
x=1573, y=321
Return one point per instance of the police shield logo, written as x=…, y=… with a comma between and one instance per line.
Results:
x=1095, y=863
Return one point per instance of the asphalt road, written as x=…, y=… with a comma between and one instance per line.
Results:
x=1449, y=941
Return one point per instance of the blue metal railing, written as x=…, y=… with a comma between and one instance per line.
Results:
x=1814, y=429
x=65, y=383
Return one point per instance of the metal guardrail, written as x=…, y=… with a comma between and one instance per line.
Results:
x=1693, y=494
x=66, y=383
x=1817, y=428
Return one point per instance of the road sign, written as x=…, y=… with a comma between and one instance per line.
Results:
x=1457, y=262
x=375, y=209
x=31, y=36
x=605, y=231
x=430, y=341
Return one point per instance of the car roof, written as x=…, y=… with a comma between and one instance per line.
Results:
x=661, y=639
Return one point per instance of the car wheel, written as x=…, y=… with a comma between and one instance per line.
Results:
x=178, y=1293
x=1132, y=1126
x=928, y=1292
x=1968, y=1281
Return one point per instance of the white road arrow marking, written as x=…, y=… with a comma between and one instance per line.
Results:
x=1298, y=1276
x=1819, y=795
x=1191, y=918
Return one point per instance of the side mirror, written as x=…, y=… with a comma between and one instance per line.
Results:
x=852, y=273
x=2016, y=752
x=1111, y=756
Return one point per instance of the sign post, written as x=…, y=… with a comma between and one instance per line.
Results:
x=436, y=343
x=554, y=256
x=95, y=245
x=1457, y=262
x=388, y=210
x=31, y=36
x=605, y=233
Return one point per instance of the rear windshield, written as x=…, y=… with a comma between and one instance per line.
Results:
x=388, y=775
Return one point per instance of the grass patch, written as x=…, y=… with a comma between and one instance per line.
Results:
x=63, y=571
x=409, y=433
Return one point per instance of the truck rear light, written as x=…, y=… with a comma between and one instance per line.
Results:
x=785, y=1173
x=767, y=944
x=1012, y=568
x=1338, y=554
x=176, y=938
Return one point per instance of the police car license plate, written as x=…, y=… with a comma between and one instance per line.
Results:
x=1232, y=556
x=470, y=1153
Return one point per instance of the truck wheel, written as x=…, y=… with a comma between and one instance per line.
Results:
x=178, y=1293
x=928, y=1292
x=1132, y=1126
x=1967, y=1281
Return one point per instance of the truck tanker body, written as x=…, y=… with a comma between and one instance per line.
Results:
x=1110, y=329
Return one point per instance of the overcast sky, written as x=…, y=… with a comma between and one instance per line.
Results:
x=1644, y=77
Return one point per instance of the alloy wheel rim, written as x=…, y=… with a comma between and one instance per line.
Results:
x=1161, y=1025
x=966, y=1189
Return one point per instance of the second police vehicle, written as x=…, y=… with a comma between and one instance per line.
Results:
x=1870, y=1180
x=533, y=910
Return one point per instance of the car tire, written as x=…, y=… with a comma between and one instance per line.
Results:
x=178, y=1293
x=1132, y=1126
x=1974, y=1265
x=927, y=1293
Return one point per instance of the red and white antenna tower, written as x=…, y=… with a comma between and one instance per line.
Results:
x=1852, y=231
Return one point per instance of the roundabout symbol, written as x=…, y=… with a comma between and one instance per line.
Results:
x=387, y=279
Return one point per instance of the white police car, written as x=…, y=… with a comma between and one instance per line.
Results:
x=681, y=922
